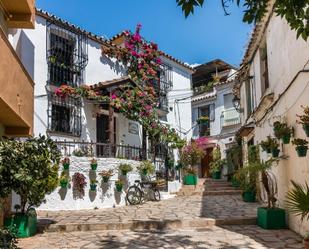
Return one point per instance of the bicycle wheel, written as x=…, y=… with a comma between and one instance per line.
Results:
x=156, y=195
x=134, y=195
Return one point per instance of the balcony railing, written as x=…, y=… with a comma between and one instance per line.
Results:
x=230, y=117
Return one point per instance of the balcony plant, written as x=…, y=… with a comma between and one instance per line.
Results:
x=106, y=175
x=22, y=165
x=298, y=204
x=304, y=119
x=79, y=183
x=216, y=163
x=125, y=168
x=146, y=168
x=266, y=145
x=93, y=185
x=269, y=217
x=119, y=185
x=283, y=131
x=203, y=120
x=301, y=146
x=93, y=164
x=64, y=179
x=66, y=163
x=274, y=146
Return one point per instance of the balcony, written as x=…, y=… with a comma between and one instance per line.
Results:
x=16, y=95
x=20, y=13
x=230, y=117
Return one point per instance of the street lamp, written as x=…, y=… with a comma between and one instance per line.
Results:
x=236, y=103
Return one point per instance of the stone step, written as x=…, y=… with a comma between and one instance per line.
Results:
x=230, y=191
x=146, y=224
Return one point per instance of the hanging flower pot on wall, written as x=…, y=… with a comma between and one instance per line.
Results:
x=301, y=146
x=275, y=152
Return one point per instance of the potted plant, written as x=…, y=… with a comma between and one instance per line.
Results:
x=274, y=146
x=66, y=163
x=203, y=120
x=266, y=144
x=119, y=185
x=146, y=168
x=297, y=203
x=106, y=175
x=8, y=239
x=93, y=164
x=216, y=164
x=125, y=168
x=301, y=146
x=191, y=176
x=93, y=185
x=22, y=166
x=283, y=131
x=304, y=119
x=79, y=183
x=269, y=217
x=64, y=179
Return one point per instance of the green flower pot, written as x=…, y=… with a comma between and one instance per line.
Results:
x=275, y=152
x=66, y=166
x=216, y=175
x=26, y=225
x=119, y=187
x=63, y=184
x=94, y=166
x=268, y=151
x=93, y=187
x=124, y=173
x=271, y=218
x=248, y=196
x=105, y=178
x=190, y=180
x=306, y=129
x=286, y=138
x=144, y=172
x=302, y=150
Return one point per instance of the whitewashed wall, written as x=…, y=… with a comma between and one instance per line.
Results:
x=286, y=57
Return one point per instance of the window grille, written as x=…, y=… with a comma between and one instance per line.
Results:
x=67, y=54
x=64, y=115
x=166, y=78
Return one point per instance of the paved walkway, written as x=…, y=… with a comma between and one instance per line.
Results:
x=229, y=237
x=189, y=208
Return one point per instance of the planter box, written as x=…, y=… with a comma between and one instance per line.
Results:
x=271, y=218
x=216, y=175
x=248, y=196
x=26, y=225
x=190, y=180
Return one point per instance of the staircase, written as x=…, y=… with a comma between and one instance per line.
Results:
x=208, y=186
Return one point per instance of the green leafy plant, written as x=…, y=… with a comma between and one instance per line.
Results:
x=282, y=130
x=125, y=168
x=64, y=179
x=216, y=163
x=29, y=168
x=298, y=200
x=106, y=174
x=247, y=177
x=253, y=153
x=266, y=145
x=301, y=146
x=299, y=142
x=146, y=168
x=8, y=239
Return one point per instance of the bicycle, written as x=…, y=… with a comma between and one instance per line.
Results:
x=142, y=191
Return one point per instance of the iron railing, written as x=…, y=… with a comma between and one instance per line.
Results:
x=230, y=117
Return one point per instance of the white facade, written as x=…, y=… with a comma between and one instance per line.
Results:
x=287, y=59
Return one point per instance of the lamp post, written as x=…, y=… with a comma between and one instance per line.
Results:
x=236, y=103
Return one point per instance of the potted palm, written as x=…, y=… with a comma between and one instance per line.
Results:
x=283, y=131
x=304, y=119
x=301, y=146
x=125, y=168
x=266, y=144
x=297, y=203
x=269, y=217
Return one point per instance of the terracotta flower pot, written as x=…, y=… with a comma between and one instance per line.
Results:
x=306, y=243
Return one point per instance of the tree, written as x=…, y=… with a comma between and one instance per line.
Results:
x=29, y=168
x=296, y=12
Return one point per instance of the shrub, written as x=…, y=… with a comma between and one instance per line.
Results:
x=8, y=239
x=191, y=154
x=217, y=163
x=79, y=182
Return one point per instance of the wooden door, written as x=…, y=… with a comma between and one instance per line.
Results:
x=205, y=163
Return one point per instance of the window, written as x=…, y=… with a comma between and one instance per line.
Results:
x=264, y=68
x=166, y=78
x=64, y=115
x=228, y=101
x=209, y=111
x=249, y=100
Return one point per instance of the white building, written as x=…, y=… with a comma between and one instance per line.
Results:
x=273, y=86
x=212, y=97
x=57, y=53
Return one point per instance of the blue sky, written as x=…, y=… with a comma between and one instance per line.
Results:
x=206, y=35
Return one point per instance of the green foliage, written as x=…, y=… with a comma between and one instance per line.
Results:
x=64, y=177
x=217, y=163
x=146, y=166
x=266, y=145
x=253, y=154
x=234, y=158
x=8, y=239
x=190, y=170
x=299, y=142
x=125, y=168
x=191, y=154
x=296, y=12
x=298, y=200
x=29, y=168
x=247, y=177
x=282, y=129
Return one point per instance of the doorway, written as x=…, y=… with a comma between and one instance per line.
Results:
x=205, y=163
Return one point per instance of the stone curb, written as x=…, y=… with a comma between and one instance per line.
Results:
x=148, y=224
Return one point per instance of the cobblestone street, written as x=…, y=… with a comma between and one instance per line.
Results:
x=227, y=237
